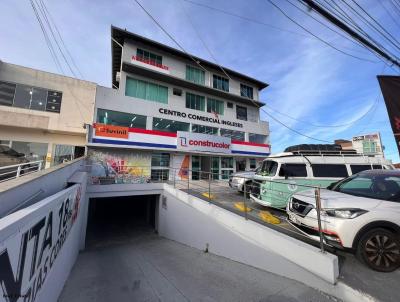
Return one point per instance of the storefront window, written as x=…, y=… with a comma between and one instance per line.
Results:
x=204, y=129
x=257, y=138
x=240, y=164
x=169, y=126
x=226, y=167
x=195, y=167
x=5, y=143
x=32, y=151
x=234, y=135
x=159, y=166
x=62, y=154
x=122, y=119
x=215, y=167
x=253, y=163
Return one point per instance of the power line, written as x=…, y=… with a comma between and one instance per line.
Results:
x=46, y=37
x=61, y=39
x=162, y=28
x=272, y=117
x=344, y=27
x=320, y=39
x=43, y=12
x=389, y=13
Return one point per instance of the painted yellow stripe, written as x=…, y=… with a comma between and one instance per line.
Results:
x=269, y=218
x=212, y=196
x=241, y=207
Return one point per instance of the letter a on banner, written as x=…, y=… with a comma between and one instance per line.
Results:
x=390, y=86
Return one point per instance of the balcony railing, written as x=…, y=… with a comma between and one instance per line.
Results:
x=15, y=171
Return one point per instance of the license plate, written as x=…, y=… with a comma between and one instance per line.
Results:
x=293, y=218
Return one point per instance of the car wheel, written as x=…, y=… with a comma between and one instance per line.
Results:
x=380, y=250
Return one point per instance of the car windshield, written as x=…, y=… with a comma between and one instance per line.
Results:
x=268, y=168
x=384, y=187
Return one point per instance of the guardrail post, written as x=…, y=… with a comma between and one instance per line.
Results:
x=209, y=186
x=244, y=199
x=318, y=206
x=18, y=171
x=188, y=177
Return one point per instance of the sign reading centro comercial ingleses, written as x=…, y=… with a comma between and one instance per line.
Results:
x=188, y=141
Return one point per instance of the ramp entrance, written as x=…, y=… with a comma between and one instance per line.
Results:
x=114, y=220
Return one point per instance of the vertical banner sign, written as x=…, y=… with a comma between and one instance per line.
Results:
x=390, y=86
x=28, y=255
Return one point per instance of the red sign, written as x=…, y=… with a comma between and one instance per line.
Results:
x=150, y=62
x=112, y=131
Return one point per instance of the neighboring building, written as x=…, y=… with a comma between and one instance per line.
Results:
x=43, y=114
x=170, y=112
x=368, y=144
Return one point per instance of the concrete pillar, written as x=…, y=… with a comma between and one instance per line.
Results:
x=149, y=123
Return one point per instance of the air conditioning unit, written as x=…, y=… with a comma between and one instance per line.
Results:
x=118, y=76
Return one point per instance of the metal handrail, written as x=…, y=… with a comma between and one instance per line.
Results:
x=32, y=167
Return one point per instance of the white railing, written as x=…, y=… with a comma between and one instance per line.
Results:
x=15, y=171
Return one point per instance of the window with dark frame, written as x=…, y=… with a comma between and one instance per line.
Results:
x=241, y=113
x=30, y=97
x=246, y=91
x=293, y=170
x=148, y=56
x=220, y=83
x=194, y=101
x=329, y=170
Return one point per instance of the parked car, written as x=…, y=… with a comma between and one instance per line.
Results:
x=284, y=174
x=361, y=213
x=239, y=179
x=10, y=157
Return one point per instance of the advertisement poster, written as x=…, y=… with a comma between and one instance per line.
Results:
x=113, y=166
x=28, y=255
x=180, y=165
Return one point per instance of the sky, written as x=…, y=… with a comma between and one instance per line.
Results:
x=313, y=88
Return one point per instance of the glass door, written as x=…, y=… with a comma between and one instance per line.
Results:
x=215, y=167
x=195, y=167
x=226, y=167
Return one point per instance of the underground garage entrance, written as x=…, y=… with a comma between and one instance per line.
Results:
x=115, y=220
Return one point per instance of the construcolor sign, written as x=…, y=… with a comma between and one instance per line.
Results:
x=188, y=141
x=32, y=243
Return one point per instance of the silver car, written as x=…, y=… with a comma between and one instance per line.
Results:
x=239, y=179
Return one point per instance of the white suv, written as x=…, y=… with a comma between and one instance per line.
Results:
x=361, y=212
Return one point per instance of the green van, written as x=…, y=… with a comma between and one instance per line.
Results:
x=284, y=174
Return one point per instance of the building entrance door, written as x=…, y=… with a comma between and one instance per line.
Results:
x=205, y=164
x=240, y=164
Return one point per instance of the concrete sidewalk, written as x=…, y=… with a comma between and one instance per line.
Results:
x=147, y=267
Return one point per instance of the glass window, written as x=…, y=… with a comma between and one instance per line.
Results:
x=241, y=113
x=257, y=138
x=54, y=101
x=195, y=75
x=148, y=57
x=293, y=170
x=159, y=166
x=194, y=101
x=123, y=119
x=62, y=154
x=23, y=96
x=246, y=91
x=39, y=98
x=220, y=83
x=169, y=126
x=240, y=164
x=195, y=167
x=32, y=151
x=215, y=167
x=227, y=162
x=268, y=168
x=234, y=135
x=358, y=168
x=215, y=106
x=324, y=170
x=204, y=129
x=370, y=147
x=7, y=91
x=146, y=90
x=376, y=167
x=253, y=163
x=385, y=187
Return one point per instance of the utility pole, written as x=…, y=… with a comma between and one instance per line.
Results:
x=320, y=10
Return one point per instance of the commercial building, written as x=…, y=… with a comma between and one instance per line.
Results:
x=168, y=108
x=368, y=144
x=42, y=114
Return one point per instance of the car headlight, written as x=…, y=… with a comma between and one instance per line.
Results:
x=343, y=213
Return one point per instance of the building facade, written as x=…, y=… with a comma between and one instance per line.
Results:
x=166, y=110
x=368, y=144
x=42, y=115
